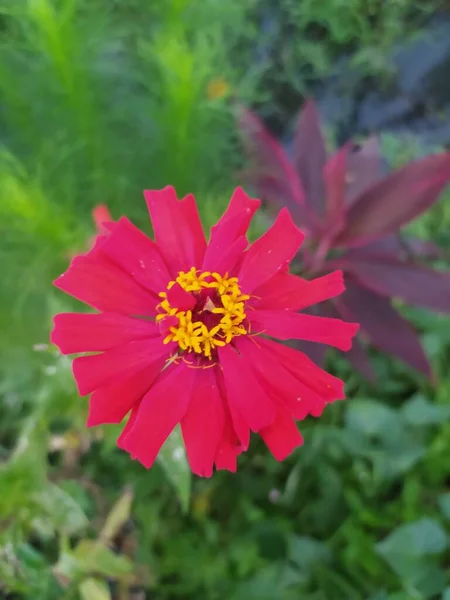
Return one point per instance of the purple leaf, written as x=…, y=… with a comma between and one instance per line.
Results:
x=384, y=327
x=364, y=168
x=357, y=355
x=310, y=156
x=391, y=244
x=335, y=179
x=316, y=352
x=271, y=173
x=403, y=247
x=422, y=248
x=395, y=200
x=415, y=284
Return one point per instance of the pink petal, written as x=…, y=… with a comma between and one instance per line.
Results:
x=195, y=227
x=231, y=259
x=238, y=433
x=286, y=291
x=226, y=455
x=105, y=287
x=245, y=395
x=285, y=389
x=240, y=205
x=77, y=332
x=286, y=325
x=270, y=253
x=129, y=248
x=128, y=426
x=161, y=409
x=96, y=244
x=177, y=228
x=231, y=226
x=179, y=298
x=203, y=424
x=92, y=372
x=282, y=437
x=110, y=403
x=230, y=446
x=298, y=364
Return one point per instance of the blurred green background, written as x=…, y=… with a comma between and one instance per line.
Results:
x=100, y=99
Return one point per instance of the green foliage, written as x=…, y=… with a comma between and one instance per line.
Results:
x=174, y=462
x=304, y=37
x=100, y=100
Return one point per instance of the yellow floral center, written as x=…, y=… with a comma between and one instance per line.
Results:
x=217, y=317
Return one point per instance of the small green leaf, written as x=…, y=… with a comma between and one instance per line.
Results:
x=400, y=459
x=96, y=558
x=444, y=505
x=64, y=513
x=372, y=418
x=420, y=538
x=268, y=583
x=93, y=589
x=381, y=595
x=306, y=552
x=91, y=557
x=118, y=516
x=173, y=460
x=408, y=550
x=446, y=594
x=68, y=566
x=418, y=411
x=428, y=579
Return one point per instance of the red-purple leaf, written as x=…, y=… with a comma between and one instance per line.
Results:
x=358, y=357
x=389, y=245
x=422, y=248
x=415, y=284
x=396, y=200
x=335, y=178
x=316, y=352
x=364, y=168
x=275, y=195
x=270, y=172
x=357, y=354
x=403, y=247
x=310, y=156
x=385, y=328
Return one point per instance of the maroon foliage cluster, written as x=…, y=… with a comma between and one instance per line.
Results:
x=351, y=215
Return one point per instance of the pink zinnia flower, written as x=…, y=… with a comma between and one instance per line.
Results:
x=184, y=333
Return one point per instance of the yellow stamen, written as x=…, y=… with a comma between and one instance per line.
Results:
x=192, y=334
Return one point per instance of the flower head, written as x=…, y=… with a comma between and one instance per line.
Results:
x=184, y=328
